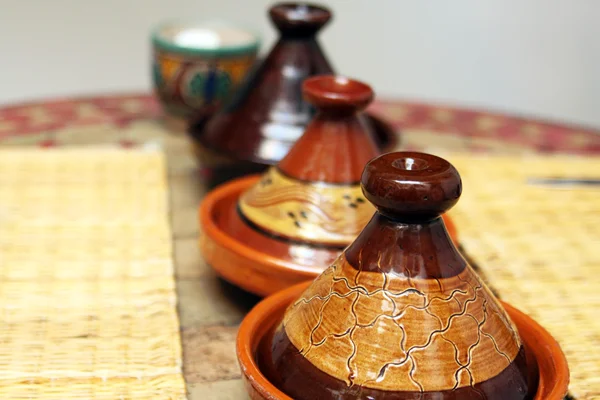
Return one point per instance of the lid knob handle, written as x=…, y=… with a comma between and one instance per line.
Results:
x=411, y=186
x=299, y=19
x=332, y=92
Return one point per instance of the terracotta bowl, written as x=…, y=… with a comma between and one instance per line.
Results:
x=263, y=319
x=242, y=265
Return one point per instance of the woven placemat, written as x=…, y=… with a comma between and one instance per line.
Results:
x=539, y=248
x=87, y=299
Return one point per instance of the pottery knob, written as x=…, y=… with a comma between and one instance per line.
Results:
x=330, y=92
x=299, y=18
x=411, y=186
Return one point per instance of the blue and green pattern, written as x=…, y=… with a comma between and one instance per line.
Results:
x=157, y=77
x=210, y=85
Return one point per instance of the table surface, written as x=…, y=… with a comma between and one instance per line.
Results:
x=210, y=309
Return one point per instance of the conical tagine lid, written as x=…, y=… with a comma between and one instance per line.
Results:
x=313, y=195
x=400, y=314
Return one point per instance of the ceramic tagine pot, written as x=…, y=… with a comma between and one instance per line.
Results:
x=264, y=234
x=268, y=114
x=400, y=314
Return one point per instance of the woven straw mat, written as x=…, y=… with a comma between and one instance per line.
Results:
x=87, y=300
x=539, y=248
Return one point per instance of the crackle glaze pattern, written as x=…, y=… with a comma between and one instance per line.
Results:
x=400, y=315
x=306, y=211
x=391, y=332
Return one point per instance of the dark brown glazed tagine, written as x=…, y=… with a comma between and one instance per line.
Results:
x=400, y=314
x=268, y=114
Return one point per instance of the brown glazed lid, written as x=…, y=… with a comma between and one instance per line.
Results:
x=400, y=314
x=268, y=114
x=312, y=198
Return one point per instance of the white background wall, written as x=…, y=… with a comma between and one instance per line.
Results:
x=532, y=57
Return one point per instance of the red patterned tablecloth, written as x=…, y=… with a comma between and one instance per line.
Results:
x=52, y=123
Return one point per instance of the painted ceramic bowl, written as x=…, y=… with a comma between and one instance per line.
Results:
x=197, y=67
x=544, y=354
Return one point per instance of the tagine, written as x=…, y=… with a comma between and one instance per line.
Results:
x=400, y=314
x=296, y=219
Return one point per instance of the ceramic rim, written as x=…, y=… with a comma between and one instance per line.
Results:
x=163, y=43
x=253, y=322
x=256, y=324
x=551, y=354
x=212, y=230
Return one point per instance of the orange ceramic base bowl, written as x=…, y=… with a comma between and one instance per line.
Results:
x=225, y=250
x=264, y=318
